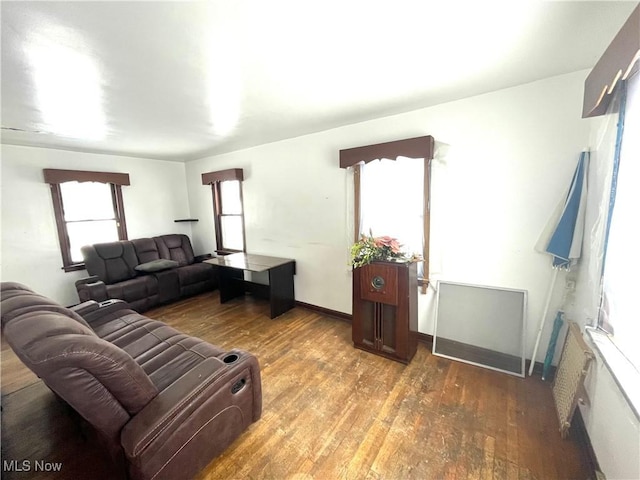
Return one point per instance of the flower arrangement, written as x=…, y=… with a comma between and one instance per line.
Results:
x=371, y=249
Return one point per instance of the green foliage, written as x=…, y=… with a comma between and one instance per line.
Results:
x=371, y=249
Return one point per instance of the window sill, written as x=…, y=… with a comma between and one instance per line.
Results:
x=423, y=284
x=227, y=251
x=622, y=370
x=74, y=268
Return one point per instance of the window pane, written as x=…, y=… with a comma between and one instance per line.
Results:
x=87, y=233
x=232, y=232
x=392, y=202
x=87, y=201
x=230, y=193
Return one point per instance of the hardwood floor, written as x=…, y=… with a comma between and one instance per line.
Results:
x=329, y=411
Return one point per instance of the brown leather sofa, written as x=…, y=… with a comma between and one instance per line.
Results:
x=145, y=272
x=164, y=403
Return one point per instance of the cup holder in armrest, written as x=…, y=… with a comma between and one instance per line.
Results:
x=230, y=358
x=106, y=303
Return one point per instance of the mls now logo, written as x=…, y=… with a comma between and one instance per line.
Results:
x=30, y=466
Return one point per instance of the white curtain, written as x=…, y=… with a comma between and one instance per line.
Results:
x=392, y=201
x=586, y=303
x=619, y=308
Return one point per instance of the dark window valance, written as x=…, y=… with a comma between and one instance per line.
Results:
x=222, y=176
x=616, y=63
x=418, y=147
x=54, y=176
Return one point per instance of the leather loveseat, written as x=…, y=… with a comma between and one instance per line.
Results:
x=163, y=403
x=145, y=272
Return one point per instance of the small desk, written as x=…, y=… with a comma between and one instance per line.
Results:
x=279, y=292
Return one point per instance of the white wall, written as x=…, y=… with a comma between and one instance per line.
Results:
x=613, y=428
x=512, y=154
x=30, y=247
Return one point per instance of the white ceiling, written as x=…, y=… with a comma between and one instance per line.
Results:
x=182, y=80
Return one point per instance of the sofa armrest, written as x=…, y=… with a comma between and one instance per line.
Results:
x=203, y=257
x=96, y=310
x=209, y=405
x=85, y=308
x=91, y=288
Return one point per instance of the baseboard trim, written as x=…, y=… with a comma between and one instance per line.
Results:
x=424, y=338
x=346, y=317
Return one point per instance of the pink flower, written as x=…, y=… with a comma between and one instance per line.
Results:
x=387, y=241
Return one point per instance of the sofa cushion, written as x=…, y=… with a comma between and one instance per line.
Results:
x=100, y=381
x=12, y=287
x=146, y=249
x=20, y=300
x=156, y=265
x=175, y=247
x=111, y=262
x=196, y=273
x=140, y=292
x=164, y=353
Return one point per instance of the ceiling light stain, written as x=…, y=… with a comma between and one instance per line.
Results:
x=67, y=82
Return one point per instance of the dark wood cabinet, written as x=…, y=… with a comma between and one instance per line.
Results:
x=385, y=309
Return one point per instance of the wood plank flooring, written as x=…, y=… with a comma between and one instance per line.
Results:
x=329, y=411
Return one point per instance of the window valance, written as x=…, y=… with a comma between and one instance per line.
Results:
x=418, y=147
x=616, y=63
x=54, y=176
x=222, y=176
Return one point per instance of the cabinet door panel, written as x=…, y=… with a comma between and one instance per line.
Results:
x=368, y=324
x=388, y=322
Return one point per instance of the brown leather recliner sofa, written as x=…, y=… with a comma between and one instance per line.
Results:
x=145, y=272
x=164, y=403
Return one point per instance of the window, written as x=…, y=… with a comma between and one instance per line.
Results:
x=228, y=213
x=618, y=314
x=88, y=208
x=228, y=210
x=392, y=202
x=391, y=184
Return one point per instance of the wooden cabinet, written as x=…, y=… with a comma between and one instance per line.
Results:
x=385, y=309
